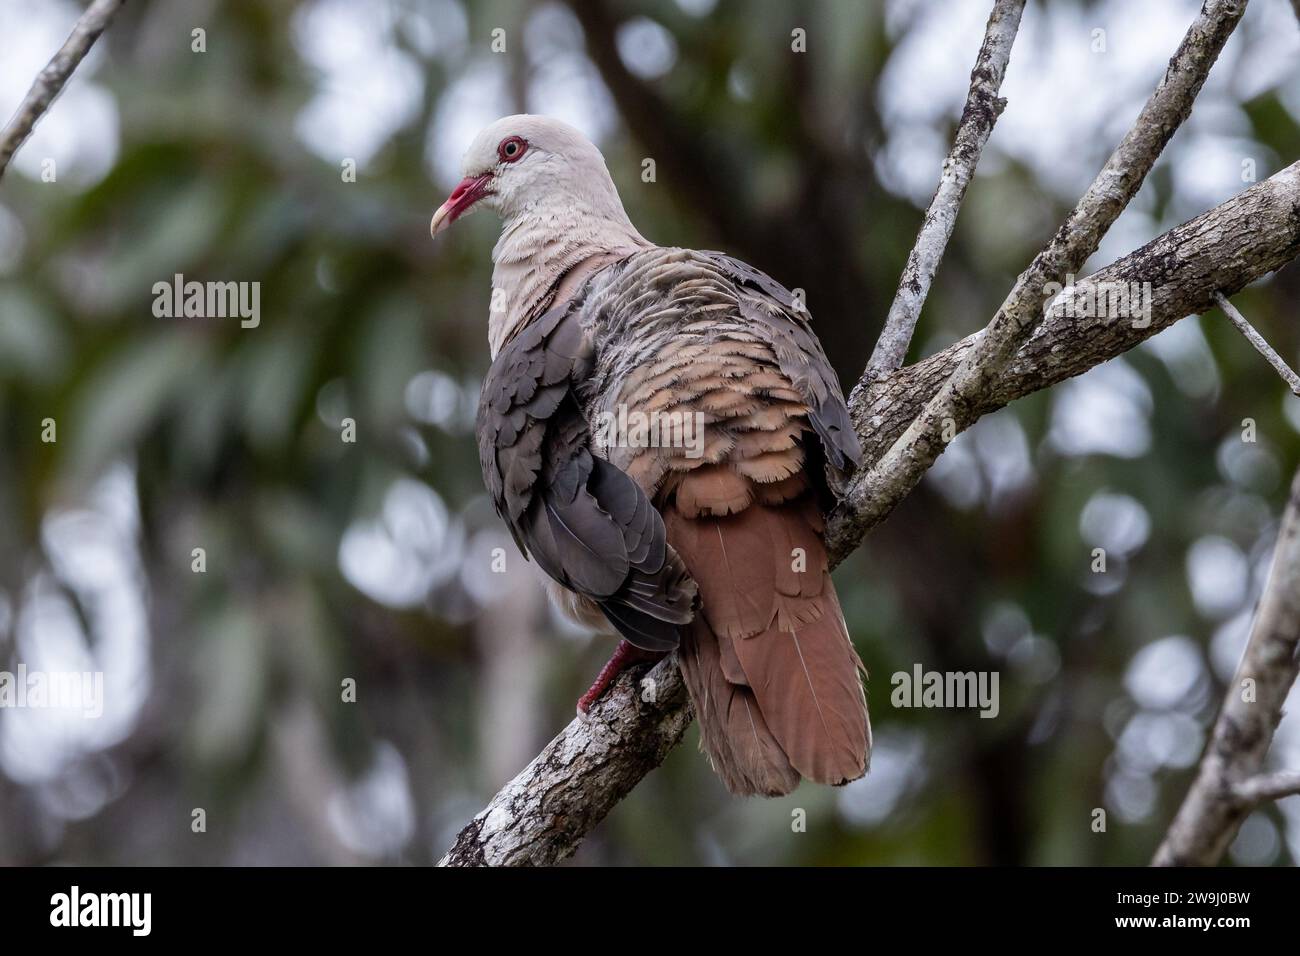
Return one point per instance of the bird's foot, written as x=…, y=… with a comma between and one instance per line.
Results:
x=626, y=655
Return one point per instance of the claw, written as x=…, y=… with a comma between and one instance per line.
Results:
x=625, y=655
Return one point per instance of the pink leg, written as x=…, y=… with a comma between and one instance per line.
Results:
x=624, y=657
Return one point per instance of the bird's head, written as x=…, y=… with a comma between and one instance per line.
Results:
x=525, y=164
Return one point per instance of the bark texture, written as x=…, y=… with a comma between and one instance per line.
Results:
x=541, y=816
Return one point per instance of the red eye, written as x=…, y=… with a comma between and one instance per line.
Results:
x=511, y=148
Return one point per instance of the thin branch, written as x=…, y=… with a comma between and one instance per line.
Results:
x=1254, y=338
x=50, y=80
x=983, y=107
x=559, y=798
x=952, y=410
x=1267, y=787
x=1213, y=810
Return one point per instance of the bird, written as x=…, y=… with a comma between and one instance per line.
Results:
x=662, y=433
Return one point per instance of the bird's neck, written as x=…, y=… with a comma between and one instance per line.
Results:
x=542, y=253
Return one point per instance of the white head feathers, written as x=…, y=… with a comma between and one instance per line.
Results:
x=558, y=206
x=557, y=164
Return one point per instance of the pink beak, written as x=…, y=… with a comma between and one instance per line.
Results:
x=470, y=191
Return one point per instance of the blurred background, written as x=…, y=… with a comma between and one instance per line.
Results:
x=327, y=561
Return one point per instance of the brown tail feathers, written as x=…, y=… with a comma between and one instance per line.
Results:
x=776, y=683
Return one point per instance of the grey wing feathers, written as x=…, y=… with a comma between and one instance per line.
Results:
x=586, y=523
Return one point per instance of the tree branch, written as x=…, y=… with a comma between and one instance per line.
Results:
x=1222, y=250
x=1266, y=787
x=541, y=816
x=50, y=80
x=983, y=107
x=1262, y=347
x=1226, y=789
x=877, y=490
